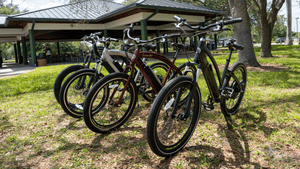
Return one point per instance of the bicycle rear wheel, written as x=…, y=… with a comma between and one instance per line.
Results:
x=62, y=76
x=235, y=83
x=167, y=133
x=160, y=69
x=116, y=109
x=75, y=89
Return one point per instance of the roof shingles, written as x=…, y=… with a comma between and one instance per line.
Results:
x=95, y=10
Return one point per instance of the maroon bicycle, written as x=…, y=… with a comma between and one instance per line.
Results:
x=117, y=93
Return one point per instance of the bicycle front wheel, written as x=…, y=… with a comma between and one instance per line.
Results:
x=75, y=89
x=116, y=109
x=62, y=76
x=167, y=131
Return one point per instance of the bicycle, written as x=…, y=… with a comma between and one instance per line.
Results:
x=122, y=89
x=173, y=118
x=77, y=85
x=73, y=68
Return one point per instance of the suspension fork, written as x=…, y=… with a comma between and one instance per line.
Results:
x=125, y=87
x=191, y=95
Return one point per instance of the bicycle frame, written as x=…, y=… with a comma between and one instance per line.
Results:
x=147, y=71
x=108, y=62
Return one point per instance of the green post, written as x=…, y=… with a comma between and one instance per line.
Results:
x=58, y=49
x=32, y=48
x=24, y=50
x=16, y=55
x=144, y=31
x=19, y=52
x=105, y=33
x=158, y=44
x=196, y=41
x=216, y=46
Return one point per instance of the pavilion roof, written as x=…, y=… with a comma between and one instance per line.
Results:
x=85, y=10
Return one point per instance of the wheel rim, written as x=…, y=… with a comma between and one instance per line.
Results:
x=111, y=114
x=172, y=132
x=233, y=103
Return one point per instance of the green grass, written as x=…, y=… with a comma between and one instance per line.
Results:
x=36, y=133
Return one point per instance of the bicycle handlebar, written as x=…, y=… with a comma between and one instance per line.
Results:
x=232, y=21
x=137, y=40
x=220, y=23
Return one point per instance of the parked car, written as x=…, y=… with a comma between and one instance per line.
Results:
x=280, y=40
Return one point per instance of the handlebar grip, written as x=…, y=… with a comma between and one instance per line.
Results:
x=179, y=19
x=98, y=33
x=228, y=22
x=131, y=26
x=85, y=37
x=113, y=39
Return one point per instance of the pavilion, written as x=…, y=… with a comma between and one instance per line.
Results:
x=71, y=22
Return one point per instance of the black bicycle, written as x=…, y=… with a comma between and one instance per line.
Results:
x=73, y=68
x=176, y=109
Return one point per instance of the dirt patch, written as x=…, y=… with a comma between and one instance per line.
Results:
x=264, y=67
x=267, y=67
x=274, y=56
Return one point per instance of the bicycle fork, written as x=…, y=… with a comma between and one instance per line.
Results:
x=190, y=96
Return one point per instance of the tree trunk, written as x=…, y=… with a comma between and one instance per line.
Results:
x=266, y=38
x=289, y=40
x=242, y=32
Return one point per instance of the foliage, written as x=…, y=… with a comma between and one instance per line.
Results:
x=280, y=27
x=9, y=9
x=128, y=1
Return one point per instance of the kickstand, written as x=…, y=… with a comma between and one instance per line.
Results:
x=228, y=121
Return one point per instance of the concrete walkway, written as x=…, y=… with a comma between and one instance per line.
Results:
x=11, y=69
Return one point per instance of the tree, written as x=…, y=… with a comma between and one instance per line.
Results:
x=280, y=28
x=289, y=40
x=9, y=9
x=242, y=32
x=267, y=18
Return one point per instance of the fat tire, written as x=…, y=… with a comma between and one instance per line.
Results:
x=61, y=76
x=227, y=112
x=156, y=146
x=66, y=86
x=87, y=113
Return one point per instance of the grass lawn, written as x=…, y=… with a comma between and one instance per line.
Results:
x=36, y=133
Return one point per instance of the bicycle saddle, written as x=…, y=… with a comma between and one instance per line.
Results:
x=149, y=46
x=128, y=45
x=178, y=45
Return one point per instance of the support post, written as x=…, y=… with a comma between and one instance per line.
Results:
x=24, y=51
x=167, y=46
x=158, y=44
x=58, y=49
x=16, y=55
x=196, y=42
x=216, y=43
x=144, y=30
x=19, y=52
x=32, y=48
x=105, y=33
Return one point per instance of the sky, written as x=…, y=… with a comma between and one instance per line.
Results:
x=33, y=5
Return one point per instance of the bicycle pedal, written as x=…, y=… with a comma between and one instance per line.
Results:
x=227, y=92
x=208, y=107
